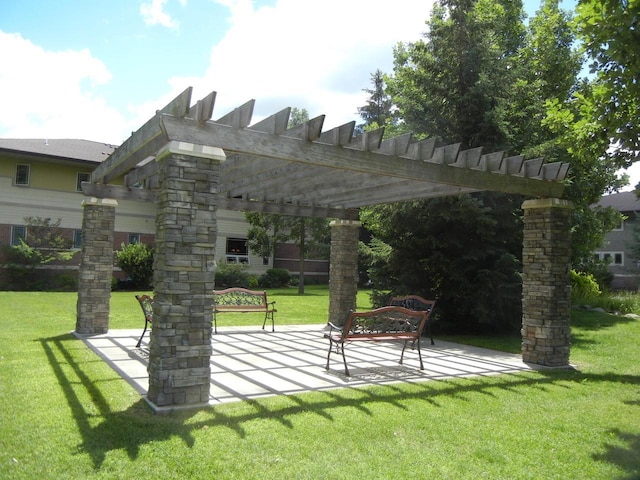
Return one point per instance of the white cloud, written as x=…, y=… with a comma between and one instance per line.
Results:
x=49, y=94
x=153, y=14
x=296, y=53
x=304, y=54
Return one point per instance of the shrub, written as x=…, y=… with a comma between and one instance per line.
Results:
x=584, y=287
x=275, y=278
x=136, y=261
x=232, y=275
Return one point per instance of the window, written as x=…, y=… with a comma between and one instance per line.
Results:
x=612, y=258
x=133, y=238
x=81, y=177
x=620, y=227
x=18, y=232
x=22, y=174
x=77, y=239
x=237, y=251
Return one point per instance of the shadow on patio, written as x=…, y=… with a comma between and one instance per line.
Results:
x=249, y=363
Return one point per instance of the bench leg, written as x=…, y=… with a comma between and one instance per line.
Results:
x=416, y=345
x=146, y=323
x=273, y=325
x=344, y=359
x=404, y=347
x=215, y=323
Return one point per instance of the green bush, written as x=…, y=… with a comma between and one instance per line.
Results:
x=584, y=287
x=136, y=261
x=233, y=275
x=275, y=278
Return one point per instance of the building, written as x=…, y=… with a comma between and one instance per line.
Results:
x=616, y=249
x=42, y=178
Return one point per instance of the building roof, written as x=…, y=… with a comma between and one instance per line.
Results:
x=623, y=201
x=62, y=149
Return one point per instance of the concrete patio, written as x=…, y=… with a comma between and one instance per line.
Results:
x=249, y=363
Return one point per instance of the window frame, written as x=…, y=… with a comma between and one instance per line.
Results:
x=133, y=238
x=238, y=255
x=17, y=176
x=86, y=175
x=604, y=255
x=77, y=239
x=14, y=240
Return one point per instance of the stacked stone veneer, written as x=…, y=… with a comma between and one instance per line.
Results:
x=184, y=269
x=343, y=270
x=546, y=301
x=96, y=265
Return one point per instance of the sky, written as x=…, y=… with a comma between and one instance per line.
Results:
x=98, y=70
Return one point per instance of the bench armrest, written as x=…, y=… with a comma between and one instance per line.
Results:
x=334, y=327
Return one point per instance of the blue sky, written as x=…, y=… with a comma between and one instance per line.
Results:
x=97, y=70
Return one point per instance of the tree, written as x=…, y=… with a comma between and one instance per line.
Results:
x=609, y=30
x=267, y=230
x=378, y=110
x=45, y=243
x=481, y=78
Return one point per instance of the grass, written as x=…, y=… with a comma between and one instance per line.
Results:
x=65, y=414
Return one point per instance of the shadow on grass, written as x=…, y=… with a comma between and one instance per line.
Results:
x=130, y=429
x=593, y=321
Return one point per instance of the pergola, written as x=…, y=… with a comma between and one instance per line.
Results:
x=191, y=166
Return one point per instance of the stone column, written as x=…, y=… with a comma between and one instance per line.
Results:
x=343, y=269
x=546, y=288
x=184, y=270
x=96, y=265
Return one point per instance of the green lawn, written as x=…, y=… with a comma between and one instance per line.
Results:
x=65, y=414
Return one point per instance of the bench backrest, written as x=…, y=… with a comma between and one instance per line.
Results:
x=146, y=303
x=384, y=321
x=239, y=298
x=413, y=302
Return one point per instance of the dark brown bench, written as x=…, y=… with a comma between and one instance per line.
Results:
x=241, y=300
x=417, y=303
x=380, y=325
x=146, y=303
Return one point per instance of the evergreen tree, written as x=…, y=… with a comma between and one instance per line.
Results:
x=378, y=110
x=481, y=78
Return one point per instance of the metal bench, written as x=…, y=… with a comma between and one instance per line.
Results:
x=241, y=300
x=146, y=303
x=384, y=324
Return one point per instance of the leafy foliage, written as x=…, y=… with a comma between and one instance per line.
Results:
x=45, y=243
x=233, y=275
x=311, y=235
x=136, y=261
x=275, y=278
x=584, y=287
x=609, y=31
x=472, y=269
